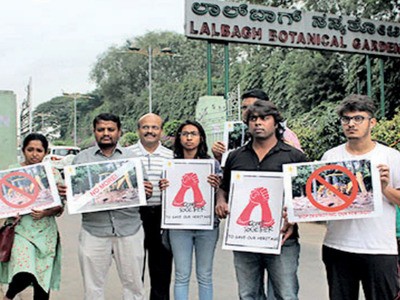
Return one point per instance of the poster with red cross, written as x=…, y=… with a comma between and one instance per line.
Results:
x=255, y=218
x=25, y=188
x=323, y=191
x=188, y=201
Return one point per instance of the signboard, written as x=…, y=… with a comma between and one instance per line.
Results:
x=234, y=137
x=255, y=218
x=104, y=185
x=188, y=202
x=321, y=191
x=255, y=24
x=26, y=188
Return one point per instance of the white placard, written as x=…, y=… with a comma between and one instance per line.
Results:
x=322, y=191
x=255, y=218
x=105, y=185
x=26, y=188
x=188, y=202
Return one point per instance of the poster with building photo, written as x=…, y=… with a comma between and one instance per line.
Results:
x=104, y=185
x=234, y=137
x=255, y=218
x=25, y=188
x=321, y=191
x=188, y=202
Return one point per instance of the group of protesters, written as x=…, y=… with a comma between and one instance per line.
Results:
x=354, y=251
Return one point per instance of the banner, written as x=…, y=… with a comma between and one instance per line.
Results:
x=104, y=185
x=320, y=191
x=26, y=188
x=255, y=219
x=188, y=202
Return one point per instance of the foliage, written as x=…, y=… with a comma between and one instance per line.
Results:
x=129, y=139
x=387, y=131
x=170, y=127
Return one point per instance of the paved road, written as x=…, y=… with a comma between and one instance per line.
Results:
x=311, y=274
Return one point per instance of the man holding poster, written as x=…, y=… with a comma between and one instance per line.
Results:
x=111, y=234
x=364, y=249
x=153, y=154
x=265, y=152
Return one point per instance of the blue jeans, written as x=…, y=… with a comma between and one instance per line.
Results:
x=182, y=244
x=282, y=272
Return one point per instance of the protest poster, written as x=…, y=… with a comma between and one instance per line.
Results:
x=322, y=191
x=26, y=188
x=235, y=136
x=255, y=218
x=105, y=185
x=188, y=202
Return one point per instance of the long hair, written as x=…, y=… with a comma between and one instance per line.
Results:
x=35, y=137
x=202, y=149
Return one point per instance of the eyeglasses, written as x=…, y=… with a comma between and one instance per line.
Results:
x=262, y=118
x=192, y=133
x=357, y=119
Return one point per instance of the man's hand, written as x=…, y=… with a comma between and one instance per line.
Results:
x=287, y=228
x=218, y=148
x=222, y=208
x=384, y=173
x=148, y=189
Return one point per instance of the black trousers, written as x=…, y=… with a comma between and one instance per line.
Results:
x=159, y=259
x=377, y=273
x=21, y=281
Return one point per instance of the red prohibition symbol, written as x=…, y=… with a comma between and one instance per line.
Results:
x=30, y=196
x=348, y=199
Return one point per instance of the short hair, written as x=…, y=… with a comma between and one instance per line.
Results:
x=354, y=103
x=107, y=117
x=255, y=93
x=35, y=137
x=202, y=149
x=266, y=108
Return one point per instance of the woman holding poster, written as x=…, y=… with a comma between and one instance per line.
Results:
x=36, y=252
x=190, y=143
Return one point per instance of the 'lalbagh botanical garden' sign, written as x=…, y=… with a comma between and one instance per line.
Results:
x=245, y=23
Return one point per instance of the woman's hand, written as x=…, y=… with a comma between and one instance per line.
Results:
x=163, y=184
x=214, y=180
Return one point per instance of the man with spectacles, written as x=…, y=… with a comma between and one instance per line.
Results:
x=364, y=249
x=265, y=151
x=153, y=154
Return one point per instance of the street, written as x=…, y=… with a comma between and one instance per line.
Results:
x=311, y=272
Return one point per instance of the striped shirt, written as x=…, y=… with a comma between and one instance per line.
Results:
x=153, y=163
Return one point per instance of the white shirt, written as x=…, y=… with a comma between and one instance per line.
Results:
x=370, y=235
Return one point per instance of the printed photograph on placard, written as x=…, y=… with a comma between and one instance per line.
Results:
x=26, y=188
x=104, y=185
x=234, y=137
x=188, y=202
x=255, y=218
x=320, y=191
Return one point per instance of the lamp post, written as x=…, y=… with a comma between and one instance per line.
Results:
x=150, y=53
x=75, y=96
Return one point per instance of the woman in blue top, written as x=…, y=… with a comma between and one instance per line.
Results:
x=190, y=143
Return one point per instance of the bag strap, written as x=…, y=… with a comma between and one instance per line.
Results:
x=16, y=221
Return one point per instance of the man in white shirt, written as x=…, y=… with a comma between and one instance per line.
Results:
x=153, y=154
x=364, y=249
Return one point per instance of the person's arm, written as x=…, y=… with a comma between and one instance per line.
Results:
x=54, y=211
x=218, y=148
x=222, y=208
x=392, y=194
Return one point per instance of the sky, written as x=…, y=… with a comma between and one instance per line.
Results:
x=57, y=42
